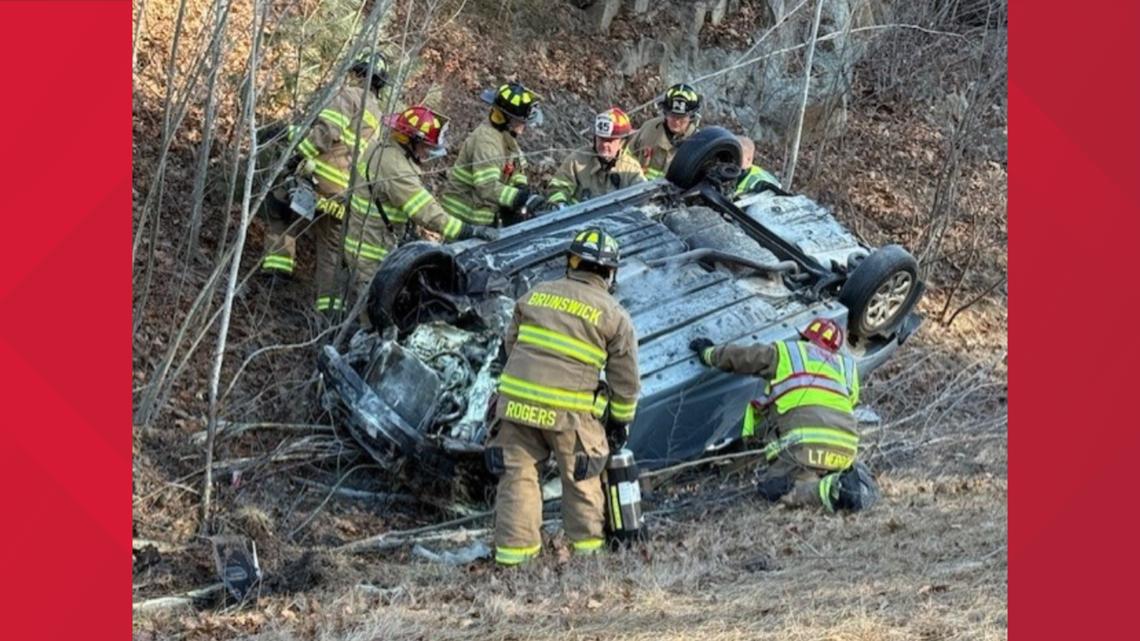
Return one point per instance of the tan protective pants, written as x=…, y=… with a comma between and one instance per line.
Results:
x=518, y=507
x=281, y=250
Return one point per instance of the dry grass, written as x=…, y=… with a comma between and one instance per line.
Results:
x=928, y=563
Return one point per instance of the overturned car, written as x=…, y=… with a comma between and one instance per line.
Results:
x=694, y=263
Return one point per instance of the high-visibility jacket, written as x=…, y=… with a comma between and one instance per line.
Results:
x=809, y=397
x=582, y=176
x=486, y=175
x=652, y=147
x=393, y=184
x=753, y=178
x=328, y=145
x=563, y=335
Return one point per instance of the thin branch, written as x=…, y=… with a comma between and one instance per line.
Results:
x=317, y=510
x=227, y=306
x=790, y=170
x=986, y=292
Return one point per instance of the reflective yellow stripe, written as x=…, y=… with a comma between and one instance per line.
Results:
x=653, y=173
x=615, y=507
x=417, y=202
x=623, y=411
x=330, y=173
x=562, y=344
x=485, y=175
x=557, y=197
x=348, y=138
x=308, y=149
x=507, y=195
x=471, y=179
x=587, y=546
x=452, y=228
x=551, y=396
x=363, y=206
x=361, y=249
x=394, y=214
x=465, y=212
x=371, y=120
x=826, y=436
x=325, y=303
x=825, y=484
x=514, y=556
x=751, y=420
x=279, y=263
x=335, y=117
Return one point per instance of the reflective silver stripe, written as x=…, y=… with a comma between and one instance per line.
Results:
x=800, y=377
x=794, y=355
x=804, y=379
x=849, y=373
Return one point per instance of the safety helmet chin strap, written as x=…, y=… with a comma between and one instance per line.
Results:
x=606, y=163
x=410, y=150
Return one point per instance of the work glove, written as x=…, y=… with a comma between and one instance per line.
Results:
x=617, y=433
x=533, y=203
x=701, y=346
x=547, y=207
x=478, y=231
x=526, y=201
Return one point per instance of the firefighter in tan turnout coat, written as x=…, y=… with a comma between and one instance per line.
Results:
x=563, y=335
x=488, y=184
x=323, y=162
x=656, y=142
x=392, y=181
x=589, y=173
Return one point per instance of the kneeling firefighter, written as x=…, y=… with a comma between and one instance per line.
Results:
x=805, y=417
x=563, y=335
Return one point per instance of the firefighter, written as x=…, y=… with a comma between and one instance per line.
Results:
x=322, y=166
x=563, y=335
x=752, y=177
x=805, y=417
x=391, y=181
x=487, y=184
x=608, y=166
x=655, y=144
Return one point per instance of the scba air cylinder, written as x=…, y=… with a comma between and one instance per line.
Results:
x=624, y=520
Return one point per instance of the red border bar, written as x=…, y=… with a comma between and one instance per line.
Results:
x=65, y=319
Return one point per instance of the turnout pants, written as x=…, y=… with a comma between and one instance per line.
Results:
x=366, y=245
x=281, y=249
x=518, y=506
x=790, y=478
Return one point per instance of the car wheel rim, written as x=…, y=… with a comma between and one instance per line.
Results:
x=888, y=300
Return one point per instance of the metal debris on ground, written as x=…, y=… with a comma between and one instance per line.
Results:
x=236, y=562
x=469, y=554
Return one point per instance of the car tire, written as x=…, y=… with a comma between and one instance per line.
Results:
x=881, y=291
x=700, y=152
x=397, y=294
